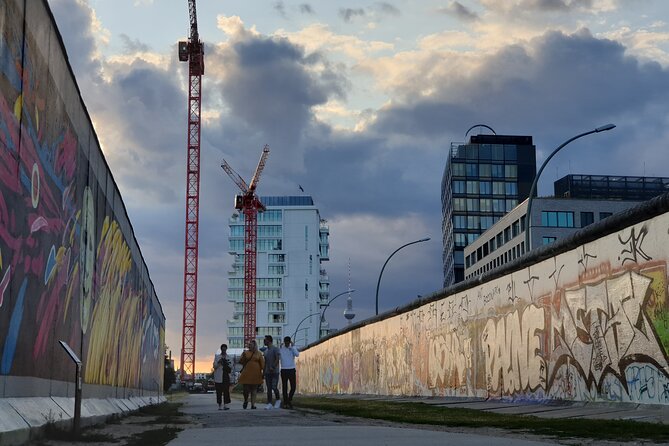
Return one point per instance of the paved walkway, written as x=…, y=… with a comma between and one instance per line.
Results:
x=290, y=427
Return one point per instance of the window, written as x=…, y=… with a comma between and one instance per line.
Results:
x=485, y=204
x=472, y=170
x=458, y=187
x=497, y=188
x=507, y=234
x=553, y=219
x=515, y=228
x=471, y=238
x=460, y=239
x=500, y=239
x=510, y=153
x=472, y=187
x=497, y=171
x=484, y=170
x=587, y=218
x=472, y=204
x=498, y=206
x=276, y=269
x=459, y=204
x=276, y=258
x=511, y=188
x=460, y=222
x=511, y=171
x=473, y=222
x=472, y=152
x=498, y=152
x=276, y=306
x=484, y=151
x=485, y=188
x=486, y=222
x=458, y=170
x=510, y=204
x=547, y=240
x=603, y=215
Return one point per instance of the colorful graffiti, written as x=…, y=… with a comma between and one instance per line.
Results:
x=590, y=324
x=67, y=270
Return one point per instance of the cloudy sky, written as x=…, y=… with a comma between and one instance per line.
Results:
x=359, y=101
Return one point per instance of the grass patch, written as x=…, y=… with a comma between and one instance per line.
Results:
x=420, y=413
x=155, y=437
x=84, y=437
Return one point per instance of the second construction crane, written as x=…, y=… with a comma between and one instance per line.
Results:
x=250, y=205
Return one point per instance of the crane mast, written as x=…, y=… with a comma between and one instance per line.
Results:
x=250, y=205
x=191, y=51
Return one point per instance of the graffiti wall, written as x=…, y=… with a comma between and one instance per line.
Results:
x=588, y=324
x=70, y=267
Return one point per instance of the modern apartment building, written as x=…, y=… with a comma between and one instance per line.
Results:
x=483, y=180
x=292, y=285
x=579, y=201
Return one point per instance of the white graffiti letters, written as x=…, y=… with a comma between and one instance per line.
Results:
x=511, y=347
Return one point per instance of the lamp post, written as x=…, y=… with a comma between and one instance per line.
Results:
x=298, y=325
x=528, y=215
x=384, y=267
x=326, y=307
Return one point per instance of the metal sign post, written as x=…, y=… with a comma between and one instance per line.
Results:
x=77, y=389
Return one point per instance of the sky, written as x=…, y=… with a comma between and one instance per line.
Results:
x=359, y=102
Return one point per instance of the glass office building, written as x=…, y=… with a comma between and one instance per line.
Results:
x=483, y=180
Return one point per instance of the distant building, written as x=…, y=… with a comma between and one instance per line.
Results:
x=611, y=187
x=293, y=242
x=579, y=201
x=483, y=180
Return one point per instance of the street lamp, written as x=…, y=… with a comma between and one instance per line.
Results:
x=384, y=267
x=326, y=307
x=528, y=215
x=298, y=325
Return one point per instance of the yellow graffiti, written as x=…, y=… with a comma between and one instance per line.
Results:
x=18, y=106
x=113, y=355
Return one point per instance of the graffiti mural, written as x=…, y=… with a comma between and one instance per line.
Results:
x=70, y=268
x=590, y=324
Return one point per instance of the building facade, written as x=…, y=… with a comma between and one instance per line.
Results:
x=611, y=187
x=483, y=180
x=291, y=283
x=552, y=219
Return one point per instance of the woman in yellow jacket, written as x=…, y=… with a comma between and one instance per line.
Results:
x=251, y=376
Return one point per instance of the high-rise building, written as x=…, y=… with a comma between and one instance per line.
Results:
x=483, y=180
x=291, y=283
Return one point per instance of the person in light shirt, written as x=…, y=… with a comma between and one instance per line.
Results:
x=288, y=353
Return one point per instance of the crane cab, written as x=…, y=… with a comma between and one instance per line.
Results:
x=183, y=51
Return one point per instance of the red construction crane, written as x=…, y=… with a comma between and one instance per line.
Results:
x=191, y=51
x=249, y=204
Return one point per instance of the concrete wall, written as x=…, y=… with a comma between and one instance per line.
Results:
x=70, y=267
x=586, y=319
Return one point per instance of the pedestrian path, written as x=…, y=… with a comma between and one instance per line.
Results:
x=278, y=427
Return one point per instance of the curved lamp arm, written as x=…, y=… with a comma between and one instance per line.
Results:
x=528, y=215
x=384, y=267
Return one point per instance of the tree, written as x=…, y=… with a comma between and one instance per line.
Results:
x=170, y=376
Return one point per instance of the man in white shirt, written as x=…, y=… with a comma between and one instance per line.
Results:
x=288, y=353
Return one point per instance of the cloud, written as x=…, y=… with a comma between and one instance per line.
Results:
x=305, y=8
x=133, y=45
x=386, y=8
x=349, y=14
x=82, y=33
x=523, y=7
x=280, y=7
x=459, y=11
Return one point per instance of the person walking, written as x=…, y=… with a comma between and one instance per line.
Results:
x=222, y=369
x=252, y=373
x=288, y=353
x=272, y=364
